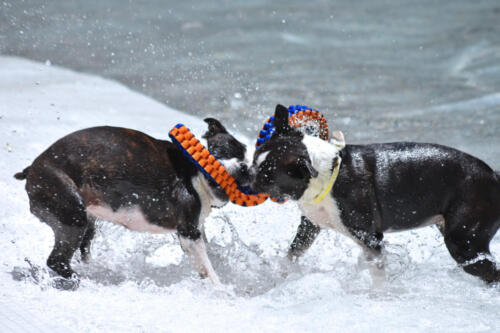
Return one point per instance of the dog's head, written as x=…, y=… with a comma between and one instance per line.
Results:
x=283, y=165
x=228, y=150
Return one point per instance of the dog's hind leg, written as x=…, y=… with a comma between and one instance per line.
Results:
x=87, y=239
x=55, y=200
x=67, y=240
x=306, y=234
x=467, y=235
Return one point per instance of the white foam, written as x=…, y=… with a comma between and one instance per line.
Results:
x=127, y=288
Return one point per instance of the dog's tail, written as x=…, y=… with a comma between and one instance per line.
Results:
x=23, y=174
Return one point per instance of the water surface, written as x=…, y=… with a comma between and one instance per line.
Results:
x=380, y=70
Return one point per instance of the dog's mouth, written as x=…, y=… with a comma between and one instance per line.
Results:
x=245, y=187
x=272, y=191
x=280, y=198
x=256, y=188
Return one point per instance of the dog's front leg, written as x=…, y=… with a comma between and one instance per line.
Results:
x=306, y=234
x=371, y=244
x=196, y=251
x=375, y=262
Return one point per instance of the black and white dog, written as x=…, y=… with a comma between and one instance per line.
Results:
x=129, y=178
x=383, y=188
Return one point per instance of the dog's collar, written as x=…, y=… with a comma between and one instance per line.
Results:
x=331, y=182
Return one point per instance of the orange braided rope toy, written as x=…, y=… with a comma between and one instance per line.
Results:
x=213, y=168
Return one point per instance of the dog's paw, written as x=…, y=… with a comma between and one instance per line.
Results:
x=70, y=284
x=86, y=257
x=224, y=290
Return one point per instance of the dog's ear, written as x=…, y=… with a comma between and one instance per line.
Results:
x=214, y=127
x=281, y=120
x=338, y=139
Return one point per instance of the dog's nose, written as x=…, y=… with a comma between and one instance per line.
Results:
x=243, y=168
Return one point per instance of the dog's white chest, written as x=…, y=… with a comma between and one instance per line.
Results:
x=324, y=214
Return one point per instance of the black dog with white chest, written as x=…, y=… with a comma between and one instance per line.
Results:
x=129, y=178
x=383, y=188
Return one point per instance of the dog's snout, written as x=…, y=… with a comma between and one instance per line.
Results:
x=244, y=172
